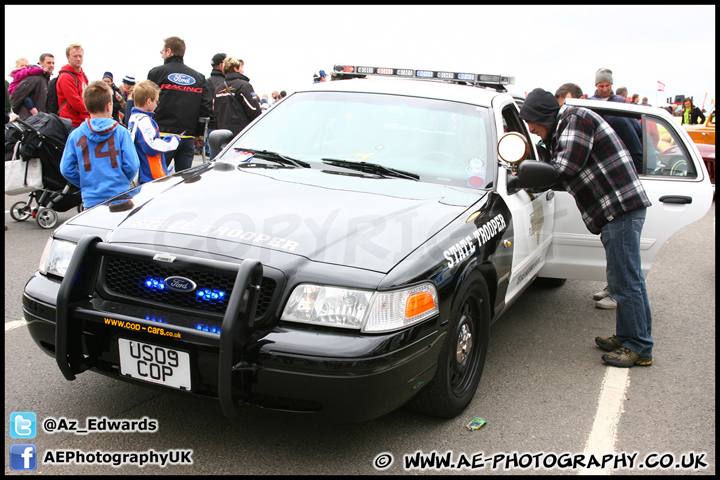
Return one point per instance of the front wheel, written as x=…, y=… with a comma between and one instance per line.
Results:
x=462, y=356
x=20, y=211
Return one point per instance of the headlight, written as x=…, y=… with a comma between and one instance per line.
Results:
x=402, y=308
x=56, y=257
x=331, y=306
x=361, y=309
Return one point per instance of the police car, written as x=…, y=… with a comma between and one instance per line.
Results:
x=344, y=255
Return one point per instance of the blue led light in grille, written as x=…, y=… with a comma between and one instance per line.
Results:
x=153, y=284
x=153, y=318
x=204, y=327
x=209, y=295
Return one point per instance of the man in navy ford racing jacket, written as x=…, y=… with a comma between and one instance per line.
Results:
x=183, y=100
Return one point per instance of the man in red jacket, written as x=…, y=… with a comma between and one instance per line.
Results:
x=70, y=87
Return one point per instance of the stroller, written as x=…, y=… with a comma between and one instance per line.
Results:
x=43, y=136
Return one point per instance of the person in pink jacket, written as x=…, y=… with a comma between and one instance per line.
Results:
x=21, y=71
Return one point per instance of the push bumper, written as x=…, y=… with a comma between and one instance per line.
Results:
x=341, y=375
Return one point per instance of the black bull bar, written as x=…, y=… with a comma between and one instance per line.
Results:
x=79, y=283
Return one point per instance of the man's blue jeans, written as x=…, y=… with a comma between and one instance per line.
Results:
x=183, y=156
x=633, y=322
x=211, y=153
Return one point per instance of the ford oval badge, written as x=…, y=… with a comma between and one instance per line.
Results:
x=181, y=79
x=180, y=284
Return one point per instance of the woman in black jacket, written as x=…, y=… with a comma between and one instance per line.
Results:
x=691, y=113
x=236, y=103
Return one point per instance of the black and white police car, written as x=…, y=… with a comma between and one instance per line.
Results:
x=344, y=255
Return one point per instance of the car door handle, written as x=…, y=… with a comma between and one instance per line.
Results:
x=676, y=199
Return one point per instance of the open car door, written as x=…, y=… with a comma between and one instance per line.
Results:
x=675, y=180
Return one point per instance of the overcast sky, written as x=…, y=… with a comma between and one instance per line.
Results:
x=541, y=46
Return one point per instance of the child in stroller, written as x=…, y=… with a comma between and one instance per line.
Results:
x=43, y=136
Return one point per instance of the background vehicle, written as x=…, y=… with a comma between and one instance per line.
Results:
x=704, y=133
x=704, y=138
x=345, y=254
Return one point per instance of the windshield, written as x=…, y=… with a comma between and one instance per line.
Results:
x=442, y=142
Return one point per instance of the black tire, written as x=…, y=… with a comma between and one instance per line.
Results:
x=550, y=282
x=20, y=211
x=462, y=357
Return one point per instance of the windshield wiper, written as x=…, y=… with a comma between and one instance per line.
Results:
x=285, y=160
x=371, y=168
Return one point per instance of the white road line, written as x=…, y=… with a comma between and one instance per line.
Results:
x=610, y=407
x=15, y=324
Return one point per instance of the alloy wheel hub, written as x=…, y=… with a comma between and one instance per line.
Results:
x=464, y=344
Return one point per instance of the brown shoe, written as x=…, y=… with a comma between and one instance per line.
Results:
x=624, y=357
x=608, y=344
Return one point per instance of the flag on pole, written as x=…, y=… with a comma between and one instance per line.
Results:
x=661, y=86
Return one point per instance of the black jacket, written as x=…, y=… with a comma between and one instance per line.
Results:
x=182, y=97
x=217, y=77
x=35, y=87
x=630, y=132
x=117, y=104
x=235, y=108
x=695, y=115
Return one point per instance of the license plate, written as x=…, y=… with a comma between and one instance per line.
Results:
x=154, y=364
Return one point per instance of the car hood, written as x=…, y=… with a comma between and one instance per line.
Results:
x=356, y=220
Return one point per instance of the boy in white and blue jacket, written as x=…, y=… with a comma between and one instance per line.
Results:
x=150, y=148
x=99, y=156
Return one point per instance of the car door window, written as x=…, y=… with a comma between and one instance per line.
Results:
x=665, y=153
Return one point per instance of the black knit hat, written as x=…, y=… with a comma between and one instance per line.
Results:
x=540, y=107
x=218, y=59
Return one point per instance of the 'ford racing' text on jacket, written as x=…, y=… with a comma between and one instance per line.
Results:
x=236, y=103
x=182, y=101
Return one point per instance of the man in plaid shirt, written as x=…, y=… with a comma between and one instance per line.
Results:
x=595, y=167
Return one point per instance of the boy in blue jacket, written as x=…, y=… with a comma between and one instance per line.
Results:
x=99, y=156
x=151, y=149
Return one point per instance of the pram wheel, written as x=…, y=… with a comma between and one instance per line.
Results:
x=47, y=218
x=20, y=211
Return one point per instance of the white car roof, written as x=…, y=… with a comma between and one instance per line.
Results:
x=413, y=87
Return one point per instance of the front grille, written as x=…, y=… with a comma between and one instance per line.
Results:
x=142, y=280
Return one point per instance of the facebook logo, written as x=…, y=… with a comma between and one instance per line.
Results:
x=23, y=456
x=23, y=425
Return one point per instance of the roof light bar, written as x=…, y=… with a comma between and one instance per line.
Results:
x=473, y=78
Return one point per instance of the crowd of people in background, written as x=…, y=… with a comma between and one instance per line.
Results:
x=142, y=127
x=168, y=116
x=33, y=84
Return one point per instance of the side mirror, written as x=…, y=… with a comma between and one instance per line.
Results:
x=219, y=139
x=512, y=148
x=532, y=174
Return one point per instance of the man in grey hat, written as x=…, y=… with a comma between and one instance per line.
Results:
x=604, y=83
x=595, y=167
